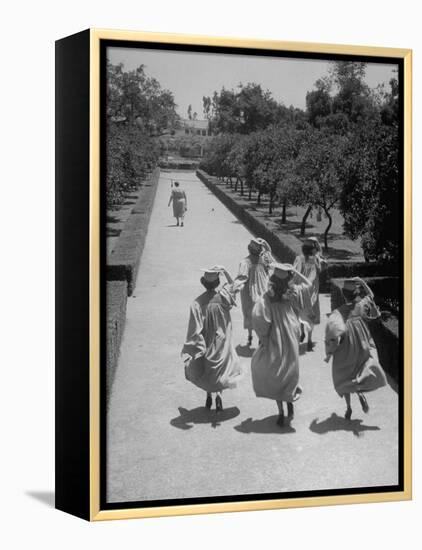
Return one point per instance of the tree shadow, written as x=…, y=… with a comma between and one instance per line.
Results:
x=336, y=423
x=245, y=351
x=45, y=497
x=265, y=426
x=173, y=225
x=201, y=415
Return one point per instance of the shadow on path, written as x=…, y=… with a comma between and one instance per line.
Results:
x=336, y=423
x=245, y=351
x=45, y=497
x=202, y=415
x=264, y=426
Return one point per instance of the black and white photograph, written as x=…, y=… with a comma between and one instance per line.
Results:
x=252, y=237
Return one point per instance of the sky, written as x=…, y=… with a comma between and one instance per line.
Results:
x=191, y=75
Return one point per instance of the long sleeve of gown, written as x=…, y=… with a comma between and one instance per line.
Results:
x=243, y=274
x=261, y=318
x=195, y=342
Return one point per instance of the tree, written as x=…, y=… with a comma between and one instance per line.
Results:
x=320, y=168
x=138, y=111
x=246, y=110
x=319, y=102
x=370, y=198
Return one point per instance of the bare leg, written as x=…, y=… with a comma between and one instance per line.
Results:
x=280, y=420
x=363, y=402
x=177, y=221
x=348, y=413
x=249, y=337
x=218, y=402
x=310, y=346
x=302, y=332
x=290, y=410
x=208, y=402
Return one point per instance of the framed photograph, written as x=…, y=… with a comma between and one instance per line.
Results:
x=233, y=279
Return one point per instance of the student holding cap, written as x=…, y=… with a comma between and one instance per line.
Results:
x=211, y=361
x=355, y=367
x=253, y=274
x=275, y=364
x=309, y=264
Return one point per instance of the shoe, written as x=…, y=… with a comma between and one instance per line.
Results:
x=181, y=224
x=348, y=414
x=363, y=403
x=280, y=420
x=290, y=410
x=302, y=332
x=218, y=404
x=208, y=402
x=250, y=340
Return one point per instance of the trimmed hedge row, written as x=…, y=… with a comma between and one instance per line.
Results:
x=179, y=165
x=386, y=339
x=123, y=263
x=116, y=316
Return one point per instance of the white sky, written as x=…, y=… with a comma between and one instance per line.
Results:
x=191, y=75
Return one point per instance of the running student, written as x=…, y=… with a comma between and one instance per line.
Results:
x=180, y=203
x=309, y=264
x=355, y=367
x=275, y=363
x=254, y=272
x=211, y=361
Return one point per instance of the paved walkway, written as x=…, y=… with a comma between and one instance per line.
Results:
x=163, y=444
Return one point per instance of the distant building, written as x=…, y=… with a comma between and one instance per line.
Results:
x=194, y=127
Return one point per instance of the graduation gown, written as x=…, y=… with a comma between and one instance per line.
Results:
x=215, y=365
x=275, y=363
x=355, y=366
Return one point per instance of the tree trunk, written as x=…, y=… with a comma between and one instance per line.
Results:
x=271, y=203
x=241, y=187
x=305, y=217
x=250, y=192
x=258, y=202
x=235, y=185
x=284, y=212
x=330, y=221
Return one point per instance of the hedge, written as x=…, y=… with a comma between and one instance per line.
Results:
x=116, y=297
x=123, y=263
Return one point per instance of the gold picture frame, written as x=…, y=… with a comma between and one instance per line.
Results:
x=91, y=508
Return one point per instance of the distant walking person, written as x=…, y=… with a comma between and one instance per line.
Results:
x=254, y=271
x=355, y=367
x=211, y=362
x=309, y=264
x=180, y=203
x=275, y=363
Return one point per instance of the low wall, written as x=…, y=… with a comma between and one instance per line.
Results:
x=384, y=333
x=123, y=263
x=116, y=296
